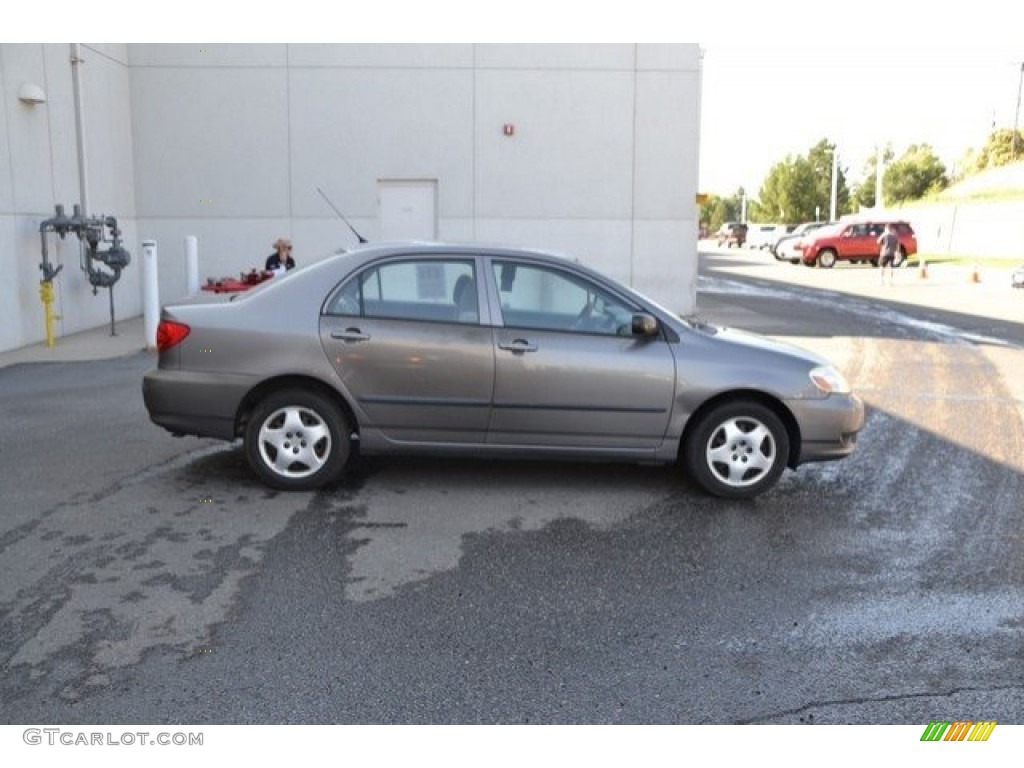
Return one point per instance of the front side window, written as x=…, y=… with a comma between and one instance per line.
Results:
x=549, y=299
x=429, y=289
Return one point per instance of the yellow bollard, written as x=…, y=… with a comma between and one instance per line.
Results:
x=46, y=294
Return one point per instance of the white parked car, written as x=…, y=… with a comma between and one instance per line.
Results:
x=763, y=236
x=787, y=247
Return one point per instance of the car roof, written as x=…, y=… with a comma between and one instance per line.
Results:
x=368, y=251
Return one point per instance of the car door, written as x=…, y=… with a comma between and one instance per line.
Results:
x=859, y=244
x=405, y=337
x=568, y=371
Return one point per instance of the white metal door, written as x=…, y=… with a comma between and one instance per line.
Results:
x=408, y=209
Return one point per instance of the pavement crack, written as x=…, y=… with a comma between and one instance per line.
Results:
x=807, y=708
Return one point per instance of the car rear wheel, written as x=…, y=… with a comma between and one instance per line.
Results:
x=297, y=440
x=737, y=450
x=827, y=259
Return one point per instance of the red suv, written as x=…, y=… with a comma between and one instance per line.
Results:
x=855, y=241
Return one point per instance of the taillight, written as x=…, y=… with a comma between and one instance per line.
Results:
x=170, y=334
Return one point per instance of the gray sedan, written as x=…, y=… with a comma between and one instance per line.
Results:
x=466, y=350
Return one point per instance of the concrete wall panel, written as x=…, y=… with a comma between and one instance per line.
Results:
x=206, y=55
x=569, y=56
x=666, y=145
x=211, y=142
x=350, y=128
x=381, y=56
x=571, y=154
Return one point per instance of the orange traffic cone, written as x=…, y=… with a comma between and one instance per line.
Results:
x=922, y=271
x=975, y=277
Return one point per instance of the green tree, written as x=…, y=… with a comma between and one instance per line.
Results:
x=998, y=150
x=800, y=188
x=820, y=157
x=864, y=193
x=915, y=174
x=716, y=209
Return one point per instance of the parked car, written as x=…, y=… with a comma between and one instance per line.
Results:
x=855, y=241
x=763, y=236
x=472, y=351
x=732, y=233
x=1017, y=277
x=789, y=246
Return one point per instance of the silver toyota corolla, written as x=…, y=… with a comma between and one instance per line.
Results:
x=467, y=350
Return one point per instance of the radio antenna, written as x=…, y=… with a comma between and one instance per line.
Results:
x=341, y=216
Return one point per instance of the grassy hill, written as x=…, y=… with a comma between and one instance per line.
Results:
x=1004, y=183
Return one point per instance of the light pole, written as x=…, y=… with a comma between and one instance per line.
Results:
x=835, y=186
x=1016, y=114
x=879, y=168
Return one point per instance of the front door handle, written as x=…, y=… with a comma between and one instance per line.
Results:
x=518, y=346
x=351, y=335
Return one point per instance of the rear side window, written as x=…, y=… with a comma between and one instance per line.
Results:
x=430, y=289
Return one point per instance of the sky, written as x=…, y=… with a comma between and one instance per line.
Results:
x=777, y=76
x=763, y=102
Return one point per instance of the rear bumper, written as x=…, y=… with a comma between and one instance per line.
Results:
x=189, y=403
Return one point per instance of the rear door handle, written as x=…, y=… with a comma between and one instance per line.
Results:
x=350, y=334
x=518, y=346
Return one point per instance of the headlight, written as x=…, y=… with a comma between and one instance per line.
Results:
x=829, y=380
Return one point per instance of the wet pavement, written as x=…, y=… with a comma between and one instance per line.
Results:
x=145, y=579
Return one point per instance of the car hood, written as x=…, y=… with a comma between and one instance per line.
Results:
x=734, y=337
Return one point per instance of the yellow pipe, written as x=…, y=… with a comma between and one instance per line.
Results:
x=46, y=294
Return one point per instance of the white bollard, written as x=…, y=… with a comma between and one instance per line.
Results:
x=150, y=293
x=191, y=265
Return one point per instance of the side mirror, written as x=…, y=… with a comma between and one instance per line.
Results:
x=644, y=325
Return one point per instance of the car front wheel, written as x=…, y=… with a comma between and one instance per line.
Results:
x=827, y=259
x=297, y=440
x=737, y=450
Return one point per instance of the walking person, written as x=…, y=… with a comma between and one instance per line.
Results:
x=888, y=248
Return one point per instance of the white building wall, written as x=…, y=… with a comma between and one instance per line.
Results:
x=39, y=169
x=230, y=143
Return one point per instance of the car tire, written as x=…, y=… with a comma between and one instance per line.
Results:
x=306, y=424
x=737, y=450
x=827, y=258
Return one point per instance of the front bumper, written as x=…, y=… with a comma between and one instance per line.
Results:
x=828, y=427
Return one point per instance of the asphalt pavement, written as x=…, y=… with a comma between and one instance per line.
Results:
x=145, y=579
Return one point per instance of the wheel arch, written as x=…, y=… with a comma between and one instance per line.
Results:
x=757, y=396
x=291, y=381
x=828, y=254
